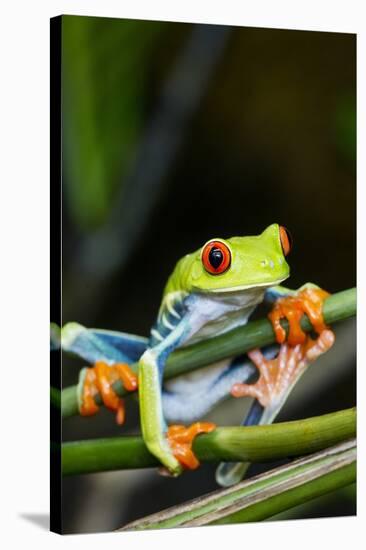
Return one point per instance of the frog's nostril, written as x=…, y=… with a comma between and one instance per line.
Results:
x=263, y=263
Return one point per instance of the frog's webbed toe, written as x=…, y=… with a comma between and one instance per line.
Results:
x=99, y=379
x=278, y=376
x=307, y=300
x=181, y=439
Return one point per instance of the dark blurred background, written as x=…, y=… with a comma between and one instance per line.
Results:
x=174, y=133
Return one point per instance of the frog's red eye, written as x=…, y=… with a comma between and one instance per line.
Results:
x=286, y=240
x=216, y=257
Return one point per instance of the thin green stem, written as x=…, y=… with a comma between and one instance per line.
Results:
x=240, y=340
x=253, y=444
x=265, y=495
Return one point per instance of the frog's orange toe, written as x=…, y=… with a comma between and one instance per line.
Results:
x=181, y=439
x=100, y=379
x=309, y=301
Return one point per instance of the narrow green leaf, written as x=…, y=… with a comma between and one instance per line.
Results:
x=265, y=495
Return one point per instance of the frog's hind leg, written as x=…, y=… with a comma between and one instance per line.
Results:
x=100, y=379
x=278, y=376
x=190, y=396
x=93, y=345
x=110, y=353
x=230, y=473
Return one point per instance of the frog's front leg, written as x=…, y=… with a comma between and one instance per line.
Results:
x=153, y=425
x=172, y=446
x=292, y=305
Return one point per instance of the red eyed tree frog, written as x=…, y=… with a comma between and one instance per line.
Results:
x=210, y=291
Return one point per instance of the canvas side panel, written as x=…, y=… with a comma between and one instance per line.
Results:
x=55, y=243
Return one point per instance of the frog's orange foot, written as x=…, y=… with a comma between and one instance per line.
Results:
x=181, y=439
x=309, y=300
x=100, y=379
x=277, y=376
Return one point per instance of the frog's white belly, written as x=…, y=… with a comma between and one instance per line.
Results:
x=220, y=312
x=191, y=395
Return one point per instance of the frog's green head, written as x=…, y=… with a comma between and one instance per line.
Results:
x=234, y=264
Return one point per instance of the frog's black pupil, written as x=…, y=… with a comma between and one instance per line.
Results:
x=215, y=257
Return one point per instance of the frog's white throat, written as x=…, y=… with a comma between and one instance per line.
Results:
x=220, y=312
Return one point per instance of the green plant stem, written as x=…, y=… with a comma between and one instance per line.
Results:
x=265, y=495
x=240, y=340
x=253, y=444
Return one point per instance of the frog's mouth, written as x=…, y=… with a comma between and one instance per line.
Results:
x=238, y=288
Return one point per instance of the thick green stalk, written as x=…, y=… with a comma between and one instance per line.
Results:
x=253, y=444
x=255, y=334
x=265, y=495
